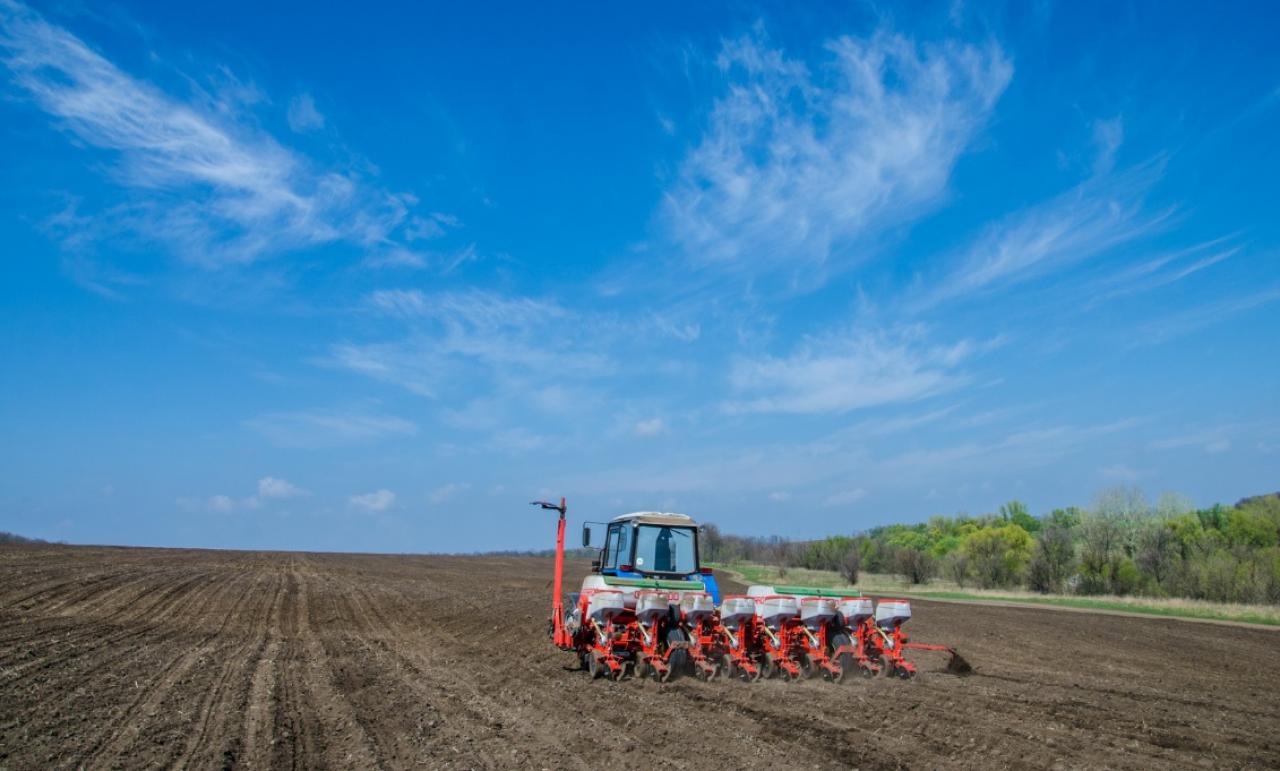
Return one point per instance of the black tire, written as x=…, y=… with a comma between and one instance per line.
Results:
x=678, y=661
x=595, y=666
x=844, y=660
x=808, y=668
x=728, y=667
x=887, y=669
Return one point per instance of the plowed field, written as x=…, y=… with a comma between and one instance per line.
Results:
x=140, y=658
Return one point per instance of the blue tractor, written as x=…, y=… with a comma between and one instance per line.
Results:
x=649, y=545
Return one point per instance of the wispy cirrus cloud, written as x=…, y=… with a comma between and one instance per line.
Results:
x=849, y=371
x=303, y=115
x=1179, y=323
x=213, y=188
x=455, y=337
x=1108, y=135
x=1164, y=269
x=1084, y=222
x=797, y=165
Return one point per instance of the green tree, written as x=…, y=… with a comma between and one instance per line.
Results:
x=851, y=564
x=956, y=567
x=998, y=555
x=1066, y=519
x=917, y=567
x=1016, y=513
x=1242, y=527
x=1053, y=560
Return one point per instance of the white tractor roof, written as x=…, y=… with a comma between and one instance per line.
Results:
x=656, y=518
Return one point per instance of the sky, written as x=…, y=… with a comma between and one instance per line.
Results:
x=372, y=278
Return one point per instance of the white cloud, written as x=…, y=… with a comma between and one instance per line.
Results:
x=221, y=503
x=650, y=427
x=1185, y=322
x=445, y=492
x=518, y=440
x=215, y=191
x=847, y=372
x=779, y=496
x=379, y=500
x=459, y=336
x=303, y=115
x=826, y=466
x=1107, y=136
x=433, y=225
x=217, y=504
x=1121, y=472
x=845, y=497
x=1162, y=270
x=1213, y=441
x=1084, y=222
x=271, y=487
x=797, y=165
x=483, y=311
x=329, y=427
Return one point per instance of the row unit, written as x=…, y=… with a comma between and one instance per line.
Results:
x=760, y=601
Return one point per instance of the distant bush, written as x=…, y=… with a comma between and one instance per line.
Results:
x=15, y=538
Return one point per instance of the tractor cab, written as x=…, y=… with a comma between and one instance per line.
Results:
x=651, y=545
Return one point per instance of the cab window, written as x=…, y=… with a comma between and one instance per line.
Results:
x=611, y=547
x=662, y=549
x=618, y=546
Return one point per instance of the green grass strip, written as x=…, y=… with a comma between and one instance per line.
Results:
x=755, y=573
x=656, y=583
x=1091, y=604
x=811, y=591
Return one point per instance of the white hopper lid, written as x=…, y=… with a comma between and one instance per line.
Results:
x=893, y=610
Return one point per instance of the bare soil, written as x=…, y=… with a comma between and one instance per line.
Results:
x=142, y=658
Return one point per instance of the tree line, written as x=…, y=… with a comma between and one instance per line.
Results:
x=1123, y=545
x=7, y=538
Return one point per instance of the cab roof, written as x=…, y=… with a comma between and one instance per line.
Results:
x=656, y=518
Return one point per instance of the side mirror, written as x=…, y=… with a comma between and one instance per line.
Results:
x=586, y=536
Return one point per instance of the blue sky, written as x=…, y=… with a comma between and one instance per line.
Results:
x=372, y=279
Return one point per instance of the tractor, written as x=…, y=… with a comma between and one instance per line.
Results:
x=649, y=608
